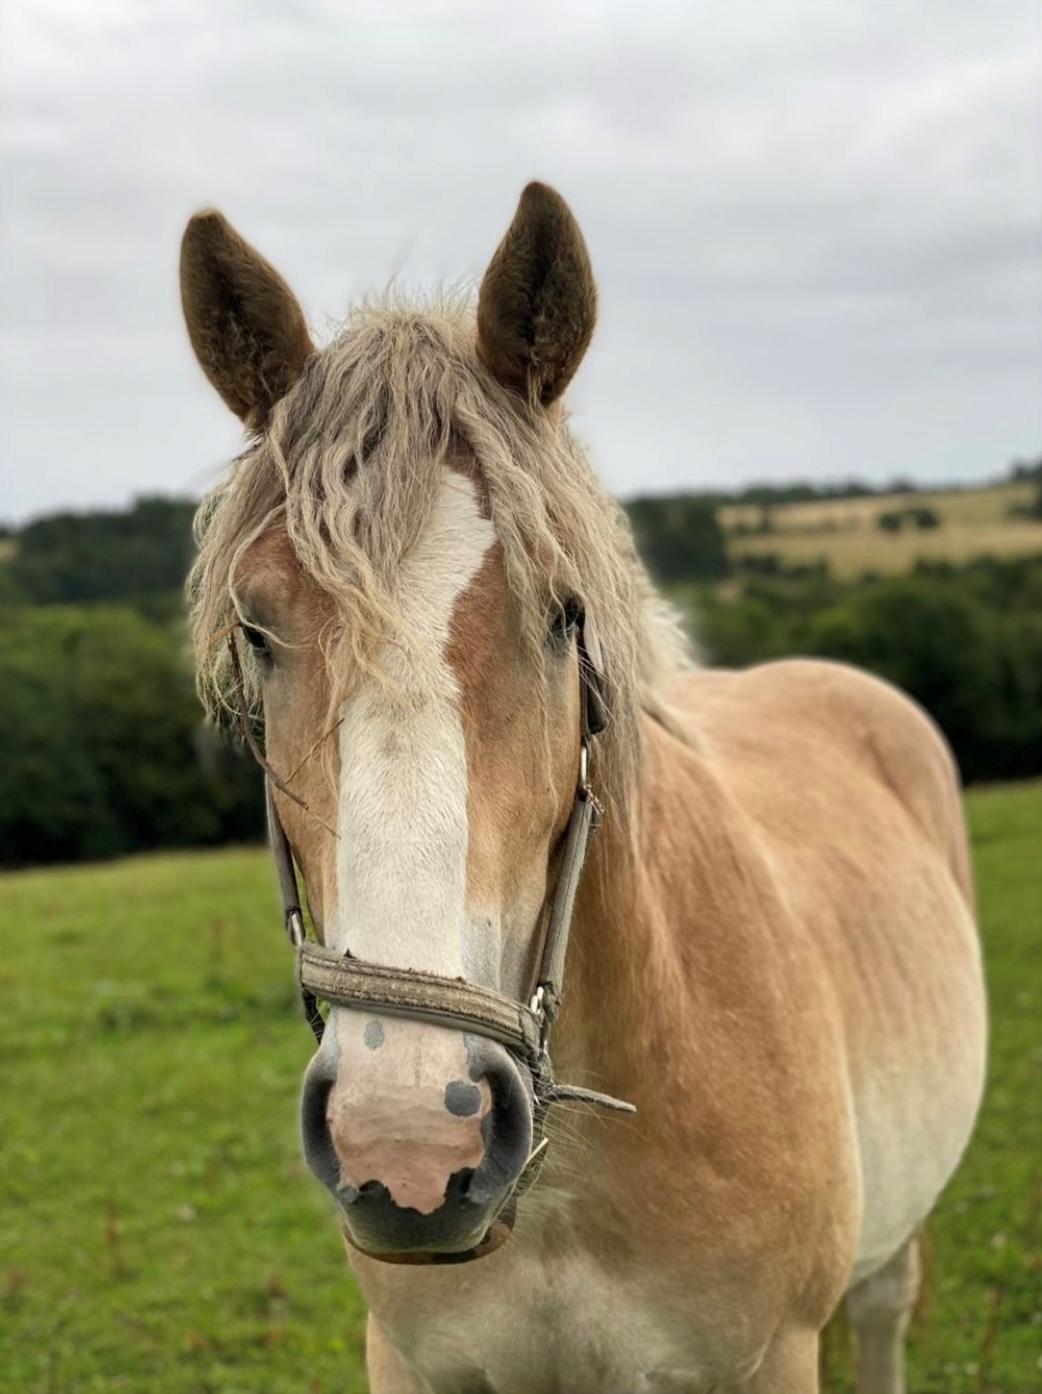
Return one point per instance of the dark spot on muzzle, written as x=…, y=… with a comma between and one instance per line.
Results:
x=462, y=1099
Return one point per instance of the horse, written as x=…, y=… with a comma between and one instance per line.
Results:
x=413, y=579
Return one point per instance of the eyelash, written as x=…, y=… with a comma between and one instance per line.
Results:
x=564, y=621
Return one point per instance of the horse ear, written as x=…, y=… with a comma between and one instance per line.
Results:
x=538, y=300
x=244, y=322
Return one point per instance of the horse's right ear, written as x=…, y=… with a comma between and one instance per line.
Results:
x=244, y=322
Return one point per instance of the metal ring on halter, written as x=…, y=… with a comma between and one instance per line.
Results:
x=295, y=928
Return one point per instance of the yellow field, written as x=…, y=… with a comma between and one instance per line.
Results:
x=845, y=532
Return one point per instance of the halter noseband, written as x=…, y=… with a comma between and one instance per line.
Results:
x=524, y=1028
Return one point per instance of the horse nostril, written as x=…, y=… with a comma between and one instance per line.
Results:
x=319, y=1152
x=508, y=1128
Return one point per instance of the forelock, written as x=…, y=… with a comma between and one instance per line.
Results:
x=350, y=468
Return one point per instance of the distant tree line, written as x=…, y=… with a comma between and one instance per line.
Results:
x=103, y=750
x=105, y=555
x=680, y=537
x=1024, y=472
x=101, y=744
x=141, y=554
x=914, y=519
x=965, y=641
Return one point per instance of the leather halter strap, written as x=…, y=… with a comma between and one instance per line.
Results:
x=524, y=1028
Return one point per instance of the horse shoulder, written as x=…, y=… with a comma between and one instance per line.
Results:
x=880, y=733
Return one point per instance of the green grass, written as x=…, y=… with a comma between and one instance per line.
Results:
x=158, y=1231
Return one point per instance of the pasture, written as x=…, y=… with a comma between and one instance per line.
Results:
x=845, y=532
x=159, y=1230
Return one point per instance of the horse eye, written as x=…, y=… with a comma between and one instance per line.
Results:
x=256, y=640
x=564, y=620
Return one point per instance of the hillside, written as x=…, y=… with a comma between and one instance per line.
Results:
x=846, y=533
x=100, y=737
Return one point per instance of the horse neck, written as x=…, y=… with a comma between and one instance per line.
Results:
x=653, y=922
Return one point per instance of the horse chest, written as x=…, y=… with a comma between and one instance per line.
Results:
x=554, y=1334
x=562, y=1326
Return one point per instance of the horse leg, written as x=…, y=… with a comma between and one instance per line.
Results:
x=387, y=1371
x=879, y=1310
x=789, y=1367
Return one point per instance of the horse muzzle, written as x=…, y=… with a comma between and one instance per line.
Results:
x=494, y=1236
x=422, y=1171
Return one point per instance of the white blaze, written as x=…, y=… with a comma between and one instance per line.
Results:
x=402, y=854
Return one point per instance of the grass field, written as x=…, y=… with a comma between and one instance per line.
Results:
x=159, y=1232
x=845, y=532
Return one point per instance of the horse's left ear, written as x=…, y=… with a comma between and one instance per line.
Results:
x=538, y=300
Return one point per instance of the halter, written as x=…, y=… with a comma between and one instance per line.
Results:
x=523, y=1027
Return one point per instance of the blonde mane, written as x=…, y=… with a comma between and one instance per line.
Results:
x=350, y=466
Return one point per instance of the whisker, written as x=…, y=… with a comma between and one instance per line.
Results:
x=315, y=746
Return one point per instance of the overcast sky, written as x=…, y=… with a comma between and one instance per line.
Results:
x=817, y=225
